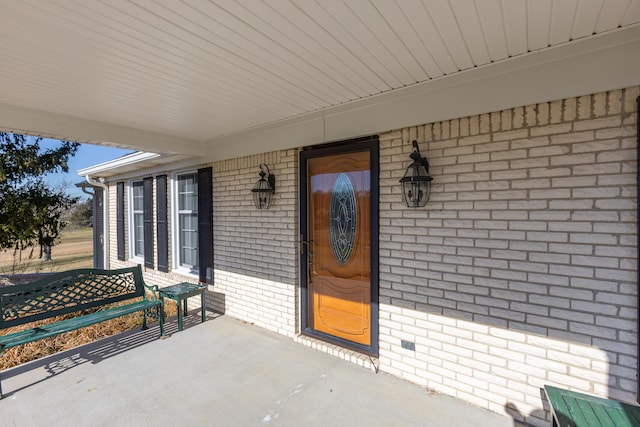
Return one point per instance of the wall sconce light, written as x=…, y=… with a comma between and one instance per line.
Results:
x=416, y=182
x=264, y=188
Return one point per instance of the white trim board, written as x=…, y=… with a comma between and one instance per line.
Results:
x=600, y=63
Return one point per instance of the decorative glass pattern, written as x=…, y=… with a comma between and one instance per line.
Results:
x=343, y=218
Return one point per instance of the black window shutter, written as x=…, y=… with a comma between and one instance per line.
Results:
x=147, y=201
x=205, y=224
x=161, y=223
x=120, y=219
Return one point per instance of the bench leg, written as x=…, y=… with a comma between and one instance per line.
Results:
x=144, y=320
x=180, y=316
x=202, y=308
x=0, y=383
x=161, y=319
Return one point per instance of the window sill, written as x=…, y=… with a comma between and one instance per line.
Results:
x=187, y=272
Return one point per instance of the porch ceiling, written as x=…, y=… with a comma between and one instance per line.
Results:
x=187, y=77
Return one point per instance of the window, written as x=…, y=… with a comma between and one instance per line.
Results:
x=136, y=227
x=186, y=254
x=141, y=245
x=191, y=223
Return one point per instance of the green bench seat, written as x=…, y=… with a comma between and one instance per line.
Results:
x=74, y=291
x=573, y=409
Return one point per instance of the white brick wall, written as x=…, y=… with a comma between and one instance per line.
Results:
x=255, y=251
x=521, y=271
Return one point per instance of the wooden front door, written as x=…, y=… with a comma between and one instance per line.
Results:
x=338, y=246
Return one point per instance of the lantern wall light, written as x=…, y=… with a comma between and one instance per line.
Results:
x=264, y=188
x=416, y=182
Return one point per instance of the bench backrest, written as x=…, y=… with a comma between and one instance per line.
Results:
x=68, y=292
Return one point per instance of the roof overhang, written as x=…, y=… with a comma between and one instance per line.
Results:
x=600, y=63
x=220, y=79
x=133, y=162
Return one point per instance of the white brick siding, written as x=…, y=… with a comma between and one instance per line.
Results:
x=521, y=271
x=255, y=251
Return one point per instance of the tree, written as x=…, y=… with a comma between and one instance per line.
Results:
x=82, y=215
x=30, y=210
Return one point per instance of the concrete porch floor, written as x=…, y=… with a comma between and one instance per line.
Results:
x=220, y=373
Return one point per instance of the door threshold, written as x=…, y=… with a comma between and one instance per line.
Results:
x=360, y=359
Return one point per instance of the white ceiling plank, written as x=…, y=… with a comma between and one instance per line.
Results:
x=322, y=42
x=402, y=26
x=421, y=21
x=491, y=18
x=153, y=60
x=235, y=44
x=612, y=15
x=234, y=64
x=632, y=16
x=445, y=21
x=108, y=92
x=562, y=21
x=218, y=27
x=538, y=24
x=471, y=28
x=266, y=21
x=113, y=82
x=587, y=16
x=515, y=20
x=179, y=54
x=29, y=66
x=269, y=100
x=392, y=51
x=356, y=38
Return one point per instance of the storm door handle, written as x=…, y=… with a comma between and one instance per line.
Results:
x=309, y=245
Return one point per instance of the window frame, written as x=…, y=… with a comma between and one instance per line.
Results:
x=131, y=212
x=176, y=241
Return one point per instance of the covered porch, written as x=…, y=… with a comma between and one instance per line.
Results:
x=224, y=373
x=521, y=271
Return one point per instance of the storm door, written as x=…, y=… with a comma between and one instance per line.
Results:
x=339, y=244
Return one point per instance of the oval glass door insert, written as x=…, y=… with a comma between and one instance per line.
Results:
x=343, y=219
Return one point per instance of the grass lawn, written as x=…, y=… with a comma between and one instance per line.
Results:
x=74, y=250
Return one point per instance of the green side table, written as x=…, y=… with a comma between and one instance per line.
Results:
x=180, y=292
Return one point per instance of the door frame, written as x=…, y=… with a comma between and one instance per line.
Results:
x=370, y=144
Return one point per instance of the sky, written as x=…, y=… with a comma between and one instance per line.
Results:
x=87, y=155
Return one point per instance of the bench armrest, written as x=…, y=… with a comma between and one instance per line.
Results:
x=153, y=289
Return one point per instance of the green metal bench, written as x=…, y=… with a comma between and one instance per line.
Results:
x=70, y=292
x=573, y=409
